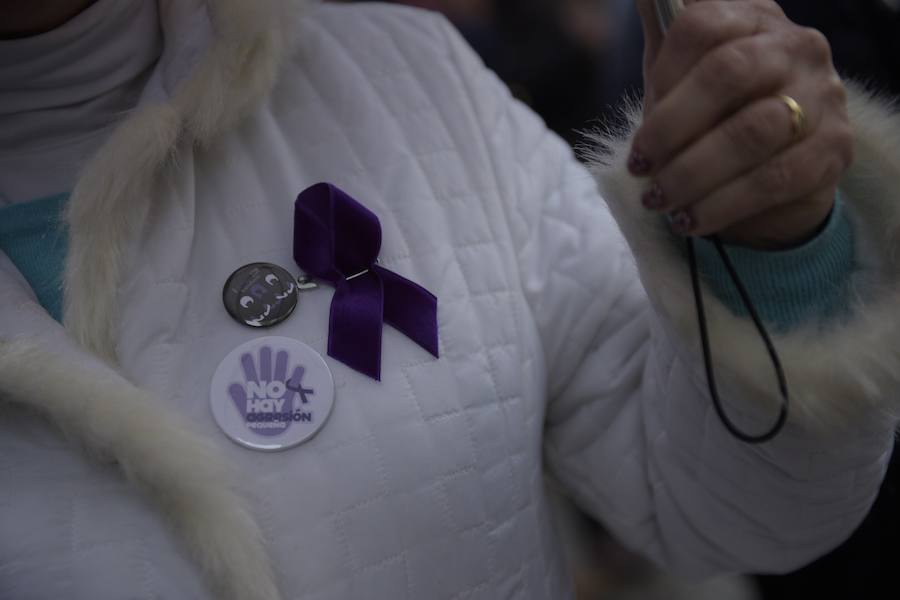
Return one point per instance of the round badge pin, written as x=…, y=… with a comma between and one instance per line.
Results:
x=271, y=394
x=260, y=295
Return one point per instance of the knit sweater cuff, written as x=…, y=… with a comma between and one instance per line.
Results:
x=791, y=287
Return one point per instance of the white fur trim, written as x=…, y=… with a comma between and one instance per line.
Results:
x=175, y=468
x=838, y=375
x=110, y=202
x=108, y=207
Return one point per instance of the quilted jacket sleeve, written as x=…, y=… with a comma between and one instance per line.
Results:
x=630, y=430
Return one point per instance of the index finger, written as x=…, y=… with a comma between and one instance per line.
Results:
x=653, y=33
x=702, y=26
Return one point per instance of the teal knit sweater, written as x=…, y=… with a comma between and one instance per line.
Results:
x=790, y=287
x=33, y=237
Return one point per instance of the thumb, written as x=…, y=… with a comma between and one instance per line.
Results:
x=653, y=34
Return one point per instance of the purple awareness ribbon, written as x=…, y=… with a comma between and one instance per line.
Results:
x=337, y=239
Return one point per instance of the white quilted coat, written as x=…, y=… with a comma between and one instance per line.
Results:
x=429, y=484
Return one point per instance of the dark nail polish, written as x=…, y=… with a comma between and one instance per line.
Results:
x=638, y=164
x=654, y=198
x=682, y=222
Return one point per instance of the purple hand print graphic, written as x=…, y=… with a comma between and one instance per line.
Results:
x=267, y=399
x=271, y=393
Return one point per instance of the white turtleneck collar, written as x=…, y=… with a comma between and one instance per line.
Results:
x=62, y=91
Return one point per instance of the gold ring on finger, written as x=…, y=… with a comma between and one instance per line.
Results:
x=798, y=116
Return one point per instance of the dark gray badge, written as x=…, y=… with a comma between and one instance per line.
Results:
x=260, y=295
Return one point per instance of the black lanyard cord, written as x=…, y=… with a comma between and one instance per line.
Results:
x=707, y=355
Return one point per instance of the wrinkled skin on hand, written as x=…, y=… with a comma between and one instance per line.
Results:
x=718, y=145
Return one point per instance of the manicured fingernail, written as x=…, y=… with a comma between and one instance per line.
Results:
x=654, y=198
x=638, y=164
x=682, y=222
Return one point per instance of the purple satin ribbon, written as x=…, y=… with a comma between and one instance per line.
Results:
x=337, y=239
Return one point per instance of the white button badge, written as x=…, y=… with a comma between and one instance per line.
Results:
x=272, y=393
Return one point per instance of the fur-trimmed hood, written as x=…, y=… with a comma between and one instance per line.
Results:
x=220, y=59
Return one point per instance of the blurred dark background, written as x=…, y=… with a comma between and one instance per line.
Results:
x=571, y=61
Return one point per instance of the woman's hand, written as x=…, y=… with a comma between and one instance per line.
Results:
x=720, y=142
